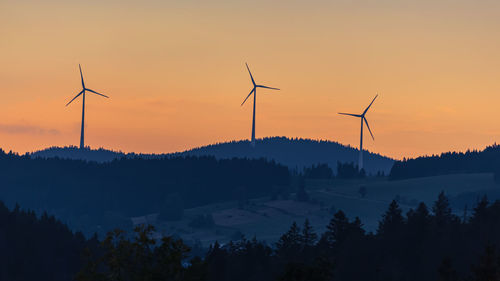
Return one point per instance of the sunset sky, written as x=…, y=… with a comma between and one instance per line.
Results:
x=175, y=72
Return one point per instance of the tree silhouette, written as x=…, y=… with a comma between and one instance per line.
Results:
x=137, y=259
x=309, y=237
x=392, y=221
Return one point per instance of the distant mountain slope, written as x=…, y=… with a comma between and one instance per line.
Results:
x=294, y=153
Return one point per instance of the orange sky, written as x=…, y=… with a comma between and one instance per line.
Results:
x=176, y=77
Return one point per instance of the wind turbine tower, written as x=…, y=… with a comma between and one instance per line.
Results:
x=363, y=120
x=254, y=92
x=82, y=92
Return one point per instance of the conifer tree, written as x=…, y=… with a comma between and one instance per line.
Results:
x=392, y=220
x=336, y=229
x=290, y=244
x=442, y=210
x=309, y=237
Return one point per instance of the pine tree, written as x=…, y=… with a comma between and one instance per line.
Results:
x=309, y=237
x=392, y=220
x=442, y=210
x=356, y=228
x=290, y=244
x=419, y=218
x=216, y=260
x=336, y=229
x=480, y=210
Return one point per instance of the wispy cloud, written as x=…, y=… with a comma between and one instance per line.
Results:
x=23, y=129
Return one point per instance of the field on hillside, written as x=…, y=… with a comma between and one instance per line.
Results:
x=267, y=219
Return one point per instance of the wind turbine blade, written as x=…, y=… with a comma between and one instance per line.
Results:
x=250, y=74
x=75, y=97
x=81, y=76
x=368, y=126
x=369, y=105
x=247, y=96
x=266, y=87
x=349, y=114
x=96, y=93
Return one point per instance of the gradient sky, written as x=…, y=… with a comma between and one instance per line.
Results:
x=176, y=77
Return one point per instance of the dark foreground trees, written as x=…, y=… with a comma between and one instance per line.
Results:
x=427, y=243
x=140, y=258
x=38, y=248
x=423, y=244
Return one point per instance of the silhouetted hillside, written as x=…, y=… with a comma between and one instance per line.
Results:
x=91, y=193
x=474, y=161
x=75, y=153
x=294, y=153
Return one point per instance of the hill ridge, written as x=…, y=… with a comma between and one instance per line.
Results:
x=296, y=153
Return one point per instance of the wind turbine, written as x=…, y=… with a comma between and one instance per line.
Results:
x=254, y=91
x=363, y=118
x=84, y=89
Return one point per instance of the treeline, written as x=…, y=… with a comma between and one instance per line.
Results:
x=423, y=244
x=346, y=170
x=38, y=248
x=80, y=191
x=474, y=161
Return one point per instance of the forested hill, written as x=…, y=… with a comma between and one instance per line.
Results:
x=487, y=160
x=294, y=153
x=73, y=152
x=77, y=190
